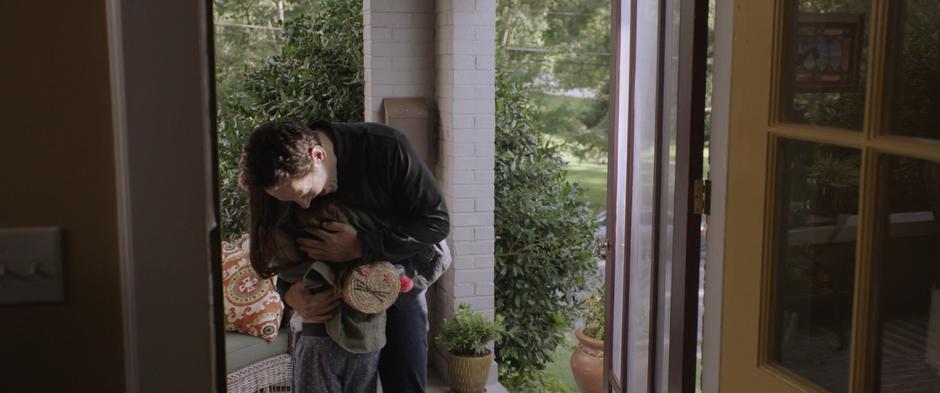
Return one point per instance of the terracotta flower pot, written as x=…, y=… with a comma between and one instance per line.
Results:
x=468, y=374
x=587, y=364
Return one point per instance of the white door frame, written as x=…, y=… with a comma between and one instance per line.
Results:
x=161, y=111
x=718, y=173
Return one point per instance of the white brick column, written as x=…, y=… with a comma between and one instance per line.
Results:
x=398, y=50
x=466, y=93
x=444, y=50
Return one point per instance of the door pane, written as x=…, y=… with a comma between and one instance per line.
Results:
x=814, y=260
x=913, y=82
x=907, y=276
x=644, y=196
x=619, y=218
x=667, y=199
x=824, y=63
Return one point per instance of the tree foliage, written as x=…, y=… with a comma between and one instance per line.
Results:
x=247, y=33
x=544, y=239
x=316, y=75
x=557, y=46
x=572, y=38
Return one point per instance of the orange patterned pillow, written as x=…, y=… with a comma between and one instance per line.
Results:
x=252, y=305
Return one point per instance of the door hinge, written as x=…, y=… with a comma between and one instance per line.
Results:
x=703, y=196
x=602, y=249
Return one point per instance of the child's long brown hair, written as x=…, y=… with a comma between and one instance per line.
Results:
x=274, y=151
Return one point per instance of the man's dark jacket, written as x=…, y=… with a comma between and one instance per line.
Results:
x=379, y=171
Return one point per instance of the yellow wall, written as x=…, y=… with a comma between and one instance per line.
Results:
x=57, y=169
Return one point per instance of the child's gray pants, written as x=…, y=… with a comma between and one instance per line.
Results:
x=321, y=366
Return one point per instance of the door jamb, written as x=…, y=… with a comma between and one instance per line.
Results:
x=718, y=174
x=162, y=111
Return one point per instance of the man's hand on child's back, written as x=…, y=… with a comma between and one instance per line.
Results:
x=338, y=242
x=313, y=308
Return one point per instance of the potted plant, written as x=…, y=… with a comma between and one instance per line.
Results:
x=587, y=361
x=466, y=336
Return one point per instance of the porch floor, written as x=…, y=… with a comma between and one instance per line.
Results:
x=437, y=385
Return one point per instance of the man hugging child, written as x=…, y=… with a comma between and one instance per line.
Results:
x=342, y=354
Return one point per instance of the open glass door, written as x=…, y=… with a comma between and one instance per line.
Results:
x=618, y=197
x=831, y=258
x=656, y=156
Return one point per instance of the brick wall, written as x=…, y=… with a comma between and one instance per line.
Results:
x=465, y=89
x=398, y=40
x=445, y=50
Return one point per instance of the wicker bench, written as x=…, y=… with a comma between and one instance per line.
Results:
x=254, y=365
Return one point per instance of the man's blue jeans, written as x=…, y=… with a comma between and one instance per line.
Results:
x=403, y=363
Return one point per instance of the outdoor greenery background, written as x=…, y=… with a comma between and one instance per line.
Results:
x=301, y=59
x=291, y=60
x=560, y=50
x=555, y=61
x=544, y=241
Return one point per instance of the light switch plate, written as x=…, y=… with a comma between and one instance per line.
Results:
x=31, y=265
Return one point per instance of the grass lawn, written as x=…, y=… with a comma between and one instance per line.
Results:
x=592, y=176
x=558, y=114
x=560, y=367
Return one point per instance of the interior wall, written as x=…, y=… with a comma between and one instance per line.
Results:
x=57, y=169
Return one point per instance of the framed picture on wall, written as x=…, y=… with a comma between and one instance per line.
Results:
x=826, y=52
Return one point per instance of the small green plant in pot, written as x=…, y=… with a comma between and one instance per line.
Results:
x=587, y=362
x=466, y=337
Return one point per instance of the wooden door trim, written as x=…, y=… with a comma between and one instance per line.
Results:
x=875, y=84
x=215, y=232
x=615, y=155
x=718, y=173
x=862, y=299
x=748, y=107
x=653, y=355
x=922, y=148
x=628, y=205
x=690, y=132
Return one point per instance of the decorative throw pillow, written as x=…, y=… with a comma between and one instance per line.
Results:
x=252, y=304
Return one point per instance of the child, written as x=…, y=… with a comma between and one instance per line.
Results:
x=342, y=354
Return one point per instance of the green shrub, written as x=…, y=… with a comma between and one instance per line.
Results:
x=317, y=75
x=594, y=314
x=544, y=240
x=468, y=332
